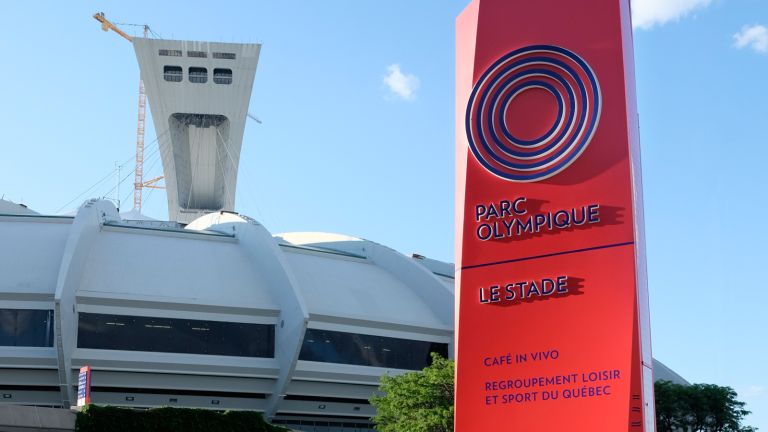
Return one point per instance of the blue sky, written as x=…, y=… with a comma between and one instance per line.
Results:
x=357, y=104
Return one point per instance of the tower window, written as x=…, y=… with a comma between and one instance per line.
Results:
x=172, y=73
x=223, y=55
x=198, y=75
x=198, y=54
x=171, y=53
x=222, y=76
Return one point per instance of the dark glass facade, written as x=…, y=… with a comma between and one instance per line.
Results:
x=26, y=327
x=368, y=350
x=183, y=336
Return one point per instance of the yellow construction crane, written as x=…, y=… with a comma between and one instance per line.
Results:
x=138, y=184
x=107, y=26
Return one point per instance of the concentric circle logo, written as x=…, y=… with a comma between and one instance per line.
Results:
x=495, y=116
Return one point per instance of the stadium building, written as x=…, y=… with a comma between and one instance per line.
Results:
x=223, y=314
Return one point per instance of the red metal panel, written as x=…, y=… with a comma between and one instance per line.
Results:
x=84, y=386
x=552, y=306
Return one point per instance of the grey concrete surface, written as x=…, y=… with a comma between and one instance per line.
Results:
x=20, y=418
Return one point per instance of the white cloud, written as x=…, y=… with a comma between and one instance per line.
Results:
x=402, y=85
x=755, y=37
x=648, y=13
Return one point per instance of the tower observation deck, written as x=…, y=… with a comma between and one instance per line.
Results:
x=198, y=95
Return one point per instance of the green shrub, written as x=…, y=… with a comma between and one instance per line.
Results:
x=94, y=418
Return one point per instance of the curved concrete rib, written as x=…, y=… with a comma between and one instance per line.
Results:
x=266, y=256
x=86, y=226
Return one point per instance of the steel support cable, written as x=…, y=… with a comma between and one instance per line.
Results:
x=105, y=178
x=221, y=167
x=164, y=153
x=196, y=162
x=225, y=144
x=149, y=170
x=152, y=161
x=111, y=173
x=120, y=182
x=153, y=152
x=227, y=186
x=152, y=32
x=131, y=192
x=245, y=174
x=149, y=194
x=148, y=158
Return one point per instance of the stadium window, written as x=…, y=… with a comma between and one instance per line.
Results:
x=172, y=73
x=223, y=55
x=198, y=75
x=26, y=327
x=170, y=53
x=171, y=335
x=222, y=76
x=198, y=54
x=368, y=350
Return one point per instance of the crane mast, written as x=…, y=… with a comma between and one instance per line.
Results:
x=138, y=183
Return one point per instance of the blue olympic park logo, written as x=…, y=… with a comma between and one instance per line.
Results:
x=556, y=70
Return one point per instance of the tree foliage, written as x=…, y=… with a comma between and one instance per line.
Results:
x=417, y=401
x=698, y=408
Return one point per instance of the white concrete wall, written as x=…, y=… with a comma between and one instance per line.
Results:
x=30, y=253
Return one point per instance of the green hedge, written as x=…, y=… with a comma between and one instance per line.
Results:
x=94, y=418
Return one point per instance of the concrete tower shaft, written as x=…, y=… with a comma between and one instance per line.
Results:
x=198, y=95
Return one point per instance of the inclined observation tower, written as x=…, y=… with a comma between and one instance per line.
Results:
x=198, y=95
